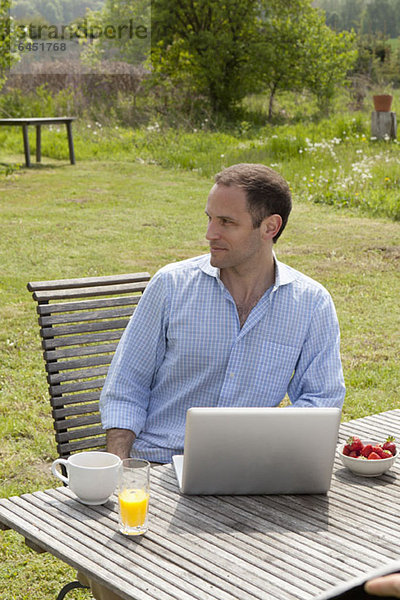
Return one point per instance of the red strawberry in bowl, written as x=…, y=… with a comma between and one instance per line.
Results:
x=355, y=444
x=374, y=456
x=366, y=451
x=390, y=445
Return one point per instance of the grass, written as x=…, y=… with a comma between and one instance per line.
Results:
x=327, y=161
x=113, y=216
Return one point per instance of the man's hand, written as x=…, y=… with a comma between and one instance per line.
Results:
x=389, y=585
x=119, y=442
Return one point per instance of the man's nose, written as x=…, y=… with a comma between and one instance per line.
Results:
x=212, y=231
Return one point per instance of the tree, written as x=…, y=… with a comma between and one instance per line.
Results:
x=218, y=51
x=301, y=52
x=9, y=36
x=120, y=31
x=352, y=14
x=380, y=17
x=329, y=58
x=212, y=43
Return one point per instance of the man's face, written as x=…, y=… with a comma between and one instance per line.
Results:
x=233, y=240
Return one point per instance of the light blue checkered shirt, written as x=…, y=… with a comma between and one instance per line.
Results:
x=184, y=347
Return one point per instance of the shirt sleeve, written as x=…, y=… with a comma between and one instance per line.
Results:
x=125, y=395
x=318, y=376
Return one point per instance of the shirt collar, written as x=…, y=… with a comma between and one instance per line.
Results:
x=206, y=267
x=283, y=273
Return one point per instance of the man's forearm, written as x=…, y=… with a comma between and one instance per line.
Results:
x=119, y=442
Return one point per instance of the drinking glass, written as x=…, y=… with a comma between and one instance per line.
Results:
x=133, y=496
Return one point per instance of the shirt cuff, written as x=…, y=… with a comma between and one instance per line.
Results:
x=123, y=415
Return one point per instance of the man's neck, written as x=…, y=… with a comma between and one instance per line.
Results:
x=248, y=286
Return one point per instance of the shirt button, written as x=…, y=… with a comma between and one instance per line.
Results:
x=231, y=375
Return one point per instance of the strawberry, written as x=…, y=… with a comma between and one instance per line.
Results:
x=390, y=445
x=366, y=451
x=387, y=454
x=354, y=454
x=373, y=456
x=378, y=450
x=355, y=444
x=346, y=449
x=381, y=452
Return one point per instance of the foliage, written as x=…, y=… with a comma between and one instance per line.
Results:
x=206, y=47
x=120, y=31
x=375, y=17
x=9, y=36
x=301, y=52
x=223, y=51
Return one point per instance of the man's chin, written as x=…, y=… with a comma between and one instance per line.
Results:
x=216, y=261
x=218, y=257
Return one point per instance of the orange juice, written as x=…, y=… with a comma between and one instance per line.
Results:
x=133, y=507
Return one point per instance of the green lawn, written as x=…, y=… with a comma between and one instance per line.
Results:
x=100, y=217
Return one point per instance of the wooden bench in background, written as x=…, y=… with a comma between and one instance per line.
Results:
x=81, y=322
x=38, y=122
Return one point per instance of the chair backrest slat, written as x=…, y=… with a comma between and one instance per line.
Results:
x=86, y=444
x=86, y=292
x=59, y=330
x=60, y=401
x=61, y=353
x=91, y=338
x=113, y=280
x=58, y=390
x=75, y=423
x=76, y=435
x=86, y=361
x=76, y=374
x=71, y=411
x=46, y=309
x=81, y=321
x=81, y=317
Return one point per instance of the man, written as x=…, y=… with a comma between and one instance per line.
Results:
x=232, y=328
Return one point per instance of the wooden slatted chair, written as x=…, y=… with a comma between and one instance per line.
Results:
x=81, y=321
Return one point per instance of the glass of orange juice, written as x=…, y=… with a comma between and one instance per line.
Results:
x=133, y=496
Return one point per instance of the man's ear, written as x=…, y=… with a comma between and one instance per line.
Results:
x=270, y=226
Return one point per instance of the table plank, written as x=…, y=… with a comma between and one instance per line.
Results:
x=36, y=121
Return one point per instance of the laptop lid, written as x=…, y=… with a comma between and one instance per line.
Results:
x=234, y=450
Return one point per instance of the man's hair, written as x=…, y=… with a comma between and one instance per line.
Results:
x=267, y=193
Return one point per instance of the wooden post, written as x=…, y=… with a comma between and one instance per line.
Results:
x=70, y=142
x=38, y=144
x=383, y=125
x=26, y=145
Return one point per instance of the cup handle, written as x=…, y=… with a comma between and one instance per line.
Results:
x=56, y=473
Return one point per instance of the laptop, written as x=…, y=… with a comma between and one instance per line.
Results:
x=237, y=451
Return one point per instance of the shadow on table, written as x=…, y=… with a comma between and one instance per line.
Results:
x=345, y=476
x=251, y=514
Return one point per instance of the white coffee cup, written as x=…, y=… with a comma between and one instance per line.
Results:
x=92, y=476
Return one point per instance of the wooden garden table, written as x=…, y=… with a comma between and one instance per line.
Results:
x=225, y=547
x=38, y=122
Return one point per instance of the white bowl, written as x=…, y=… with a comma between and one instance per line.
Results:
x=365, y=467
